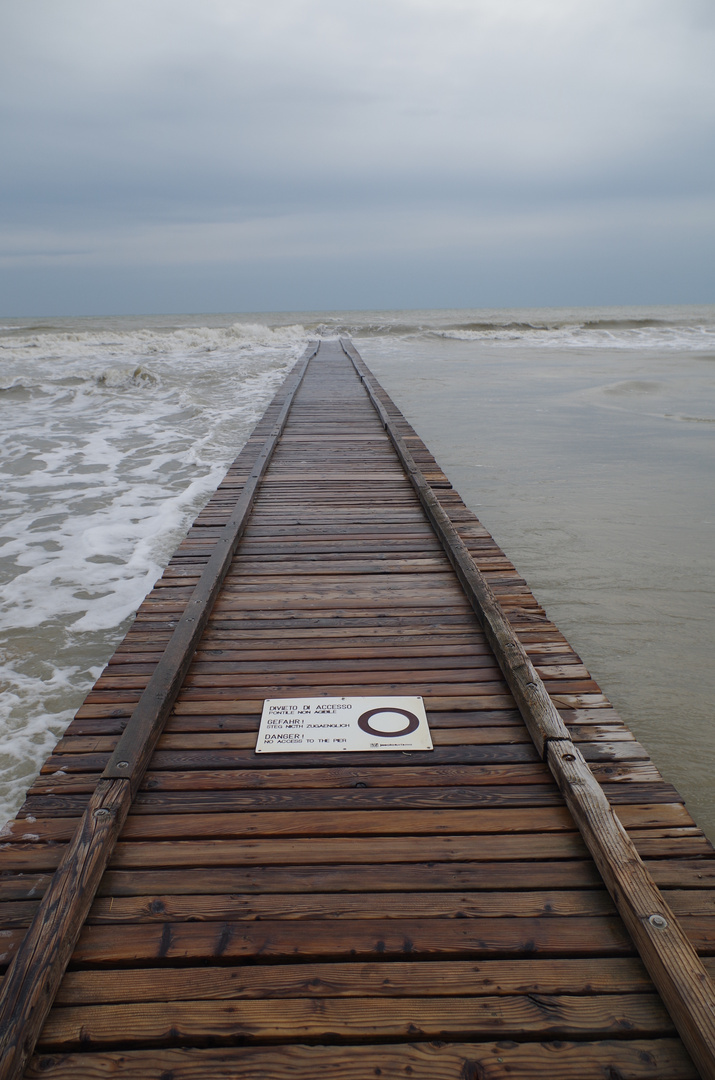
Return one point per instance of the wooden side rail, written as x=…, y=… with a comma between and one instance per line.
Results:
x=34, y=976
x=672, y=963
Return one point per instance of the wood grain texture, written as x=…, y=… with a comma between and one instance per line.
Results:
x=363, y=939
x=639, y=1059
x=355, y=1020
x=453, y=979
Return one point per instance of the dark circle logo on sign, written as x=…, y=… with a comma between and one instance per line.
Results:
x=388, y=723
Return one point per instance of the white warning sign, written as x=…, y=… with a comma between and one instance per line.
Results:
x=315, y=725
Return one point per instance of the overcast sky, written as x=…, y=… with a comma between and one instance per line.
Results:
x=255, y=155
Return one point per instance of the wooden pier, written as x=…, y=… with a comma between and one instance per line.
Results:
x=530, y=899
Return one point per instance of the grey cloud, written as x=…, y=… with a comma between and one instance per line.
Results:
x=193, y=121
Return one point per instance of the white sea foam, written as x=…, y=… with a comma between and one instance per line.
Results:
x=109, y=444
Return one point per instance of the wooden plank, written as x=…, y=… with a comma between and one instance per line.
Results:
x=396, y=877
x=307, y=823
x=455, y=978
x=340, y=774
x=445, y=905
x=391, y=878
x=33, y=858
x=519, y=762
x=364, y=905
x=72, y=802
x=495, y=748
x=639, y=1059
x=359, y=939
x=358, y=1019
x=275, y=981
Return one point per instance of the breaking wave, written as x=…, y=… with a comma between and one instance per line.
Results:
x=612, y=328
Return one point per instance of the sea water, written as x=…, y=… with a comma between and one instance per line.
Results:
x=583, y=439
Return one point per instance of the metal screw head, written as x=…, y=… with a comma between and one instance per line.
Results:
x=658, y=922
x=101, y=813
x=569, y=757
x=122, y=764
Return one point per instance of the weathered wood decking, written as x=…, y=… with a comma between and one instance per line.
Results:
x=432, y=915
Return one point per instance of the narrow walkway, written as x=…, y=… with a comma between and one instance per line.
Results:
x=433, y=915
